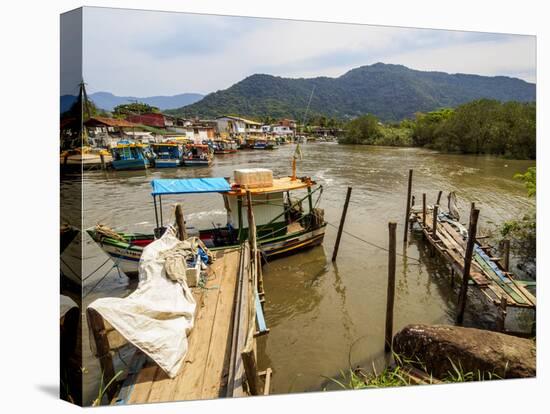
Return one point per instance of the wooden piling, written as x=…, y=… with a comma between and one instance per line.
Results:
x=439, y=197
x=180, y=222
x=341, y=227
x=424, y=210
x=251, y=371
x=97, y=327
x=434, y=222
x=506, y=254
x=102, y=158
x=467, y=264
x=501, y=319
x=391, y=286
x=408, y=209
x=413, y=199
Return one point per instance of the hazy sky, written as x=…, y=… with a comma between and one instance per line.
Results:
x=144, y=53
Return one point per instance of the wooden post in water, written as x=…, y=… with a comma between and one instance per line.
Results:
x=341, y=227
x=424, y=210
x=434, y=222
x=180, y=222
x=474, y=215
x=408, y=210
x=391, y=286
x=439, y=197
x=506, y=254
x=251, y=371
x=501, y=319
x=102, y=348
x=413, y=199
x=102, y=158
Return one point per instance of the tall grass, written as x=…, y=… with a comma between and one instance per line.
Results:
x=397, y=375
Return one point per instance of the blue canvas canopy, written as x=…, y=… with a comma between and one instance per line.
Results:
x=190, y=186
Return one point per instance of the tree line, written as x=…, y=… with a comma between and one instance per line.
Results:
x=483, y=126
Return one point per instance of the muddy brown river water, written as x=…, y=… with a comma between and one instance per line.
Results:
x=324, y=316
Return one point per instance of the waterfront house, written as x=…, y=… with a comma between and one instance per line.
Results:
x=105, y=132
x=234, y=125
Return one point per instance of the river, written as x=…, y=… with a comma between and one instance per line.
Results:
x=324, y=316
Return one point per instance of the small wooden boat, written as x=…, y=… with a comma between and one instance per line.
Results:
x=198, y=155
x=85, y=158
x=283, y=226
x=264, y=144
x=168, y=154
x=131, y=156
x=225, y=147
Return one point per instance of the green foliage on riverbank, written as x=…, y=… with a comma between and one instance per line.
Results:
x=522, y=232
x=479, y=127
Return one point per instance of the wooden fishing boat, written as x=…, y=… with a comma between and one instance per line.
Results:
x=225, y=147
x=85, y=158
x=198, y=155
x=264, y=144
x=283, y=226
x=131, y=156
x=168, y=154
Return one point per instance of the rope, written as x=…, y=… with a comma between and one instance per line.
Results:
x=372, y=244
x=108, y=271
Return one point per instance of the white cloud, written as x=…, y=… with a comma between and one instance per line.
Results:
x=149, y=53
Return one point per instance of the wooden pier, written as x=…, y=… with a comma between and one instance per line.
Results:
x=486, y=273
x=221, y=360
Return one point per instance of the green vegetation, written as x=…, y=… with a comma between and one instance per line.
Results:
x=479, y=127
x=122, y=110
x=398, y=376
x=389, y=92
x=523, y=232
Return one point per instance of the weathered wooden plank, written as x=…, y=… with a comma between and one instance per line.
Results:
x=192, y=374
x=218, y=356
x=142, y=387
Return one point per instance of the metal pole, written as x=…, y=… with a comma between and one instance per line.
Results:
x=341, y=227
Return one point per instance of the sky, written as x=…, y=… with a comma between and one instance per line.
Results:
x=144, y=53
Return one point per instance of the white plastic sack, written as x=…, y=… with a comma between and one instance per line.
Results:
x=158, y=316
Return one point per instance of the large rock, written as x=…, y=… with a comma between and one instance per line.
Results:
x=476, y=350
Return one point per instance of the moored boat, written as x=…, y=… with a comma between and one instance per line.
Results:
x=131, y=156
x=197, y=155
x=167, y=154
x=283, y=225
x=225, y=147
x=264, y=144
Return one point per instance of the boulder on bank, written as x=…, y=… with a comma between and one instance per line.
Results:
x=476, y=350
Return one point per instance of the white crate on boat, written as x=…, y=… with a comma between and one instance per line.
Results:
x=254, y=177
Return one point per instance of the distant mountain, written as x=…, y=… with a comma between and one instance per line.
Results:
x=107, y=101
x=391, y=92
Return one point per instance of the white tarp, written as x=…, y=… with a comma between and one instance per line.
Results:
x=158, y=316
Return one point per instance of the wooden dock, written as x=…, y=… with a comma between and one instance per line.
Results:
x=221, y=359
x=486, y=272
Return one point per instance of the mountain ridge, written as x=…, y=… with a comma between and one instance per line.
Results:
x=391, y=92
x=107, y=100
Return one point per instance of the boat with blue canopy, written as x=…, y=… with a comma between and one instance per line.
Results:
x=284, y=226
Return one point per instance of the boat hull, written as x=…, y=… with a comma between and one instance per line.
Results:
x=127, y=256
x=197, y=163
x=171, y=163
x=130, y=164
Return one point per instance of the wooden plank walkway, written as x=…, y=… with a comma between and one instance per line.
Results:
x=204, y=373
x=487, y=273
